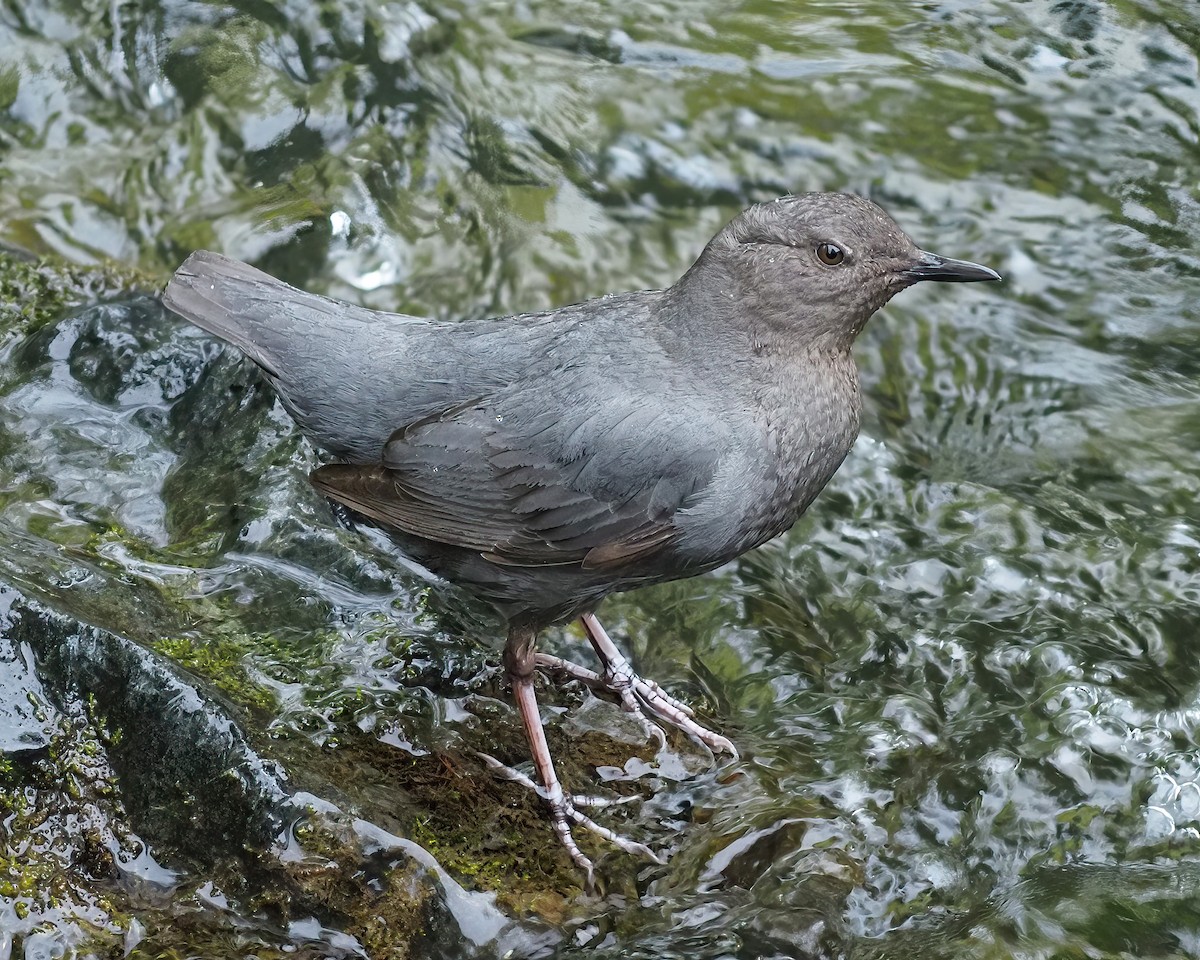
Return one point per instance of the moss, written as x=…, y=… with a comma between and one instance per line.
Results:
x=61, y=813
x=384, y=908
x=197, y=634
x=200, y=634
x=221, y=661
x=34, y=292
x=10, y=84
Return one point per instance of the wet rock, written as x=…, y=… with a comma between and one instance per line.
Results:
x=136, y=814
x=200, y=759
x=27, y=719
x=36, y=291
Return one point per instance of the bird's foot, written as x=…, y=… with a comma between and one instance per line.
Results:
x=564, y=810
x=640, y=698
x=623, y=688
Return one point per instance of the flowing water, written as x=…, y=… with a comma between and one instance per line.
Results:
x=966, y=685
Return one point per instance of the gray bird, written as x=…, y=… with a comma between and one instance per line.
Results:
x=546, y=460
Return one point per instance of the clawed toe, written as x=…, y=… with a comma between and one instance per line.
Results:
x=671, y=710
x=639, y=697
x=564, y=811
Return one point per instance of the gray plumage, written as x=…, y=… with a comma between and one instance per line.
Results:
x=548, y=459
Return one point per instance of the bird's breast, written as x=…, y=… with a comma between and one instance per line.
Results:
x=811, y=414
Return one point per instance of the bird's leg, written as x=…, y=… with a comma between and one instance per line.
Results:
x=592, y=679
x=520, y=659
x=636, y=693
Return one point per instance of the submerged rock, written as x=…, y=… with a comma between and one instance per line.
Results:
x=27, y=719
x=144, y=819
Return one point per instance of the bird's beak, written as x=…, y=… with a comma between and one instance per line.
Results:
x=930, y=266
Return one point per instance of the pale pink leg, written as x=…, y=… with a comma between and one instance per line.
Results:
x=520, y=660
x=638, y=695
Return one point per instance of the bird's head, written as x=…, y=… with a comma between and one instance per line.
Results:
x=816, y=265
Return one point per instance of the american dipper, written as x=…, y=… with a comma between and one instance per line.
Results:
x=546, y=460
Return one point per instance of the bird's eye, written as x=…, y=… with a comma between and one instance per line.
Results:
x=830, y=254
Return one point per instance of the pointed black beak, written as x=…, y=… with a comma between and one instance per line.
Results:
x=932, y=267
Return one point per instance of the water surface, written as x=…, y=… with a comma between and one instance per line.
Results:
x=966, y=686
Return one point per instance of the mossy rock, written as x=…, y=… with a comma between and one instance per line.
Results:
x=36, y=291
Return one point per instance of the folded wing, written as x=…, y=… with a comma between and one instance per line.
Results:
x=598, y=487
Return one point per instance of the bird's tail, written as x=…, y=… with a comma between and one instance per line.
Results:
x=241, y=305
x=322, y=356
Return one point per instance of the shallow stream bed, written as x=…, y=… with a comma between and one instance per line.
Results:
x=966, y=686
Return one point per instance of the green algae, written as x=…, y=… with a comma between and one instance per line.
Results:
x=64, y=827
x=222, y=662
x=38, y=291
x=386, y=910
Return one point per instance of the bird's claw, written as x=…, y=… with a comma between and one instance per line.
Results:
x=662, y=705
x=564, y=811
x=640, y=697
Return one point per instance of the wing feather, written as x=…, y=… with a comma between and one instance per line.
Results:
x=531, y=490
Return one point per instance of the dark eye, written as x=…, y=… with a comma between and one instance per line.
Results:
x=830, y=254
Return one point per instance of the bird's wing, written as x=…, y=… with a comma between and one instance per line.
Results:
x=592, y=484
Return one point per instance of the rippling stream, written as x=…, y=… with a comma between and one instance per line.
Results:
x=966, y=686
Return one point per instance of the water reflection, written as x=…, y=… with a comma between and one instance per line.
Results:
x=965, y=685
